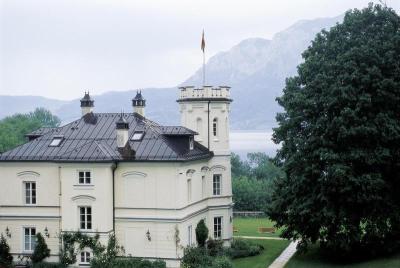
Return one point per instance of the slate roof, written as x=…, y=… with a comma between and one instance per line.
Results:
x=92, y=138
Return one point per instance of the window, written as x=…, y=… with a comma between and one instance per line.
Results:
x=203, y=186
x=191, y=143
x=85, y=217
x=29, y=239
x=190, y=231
x=215, y=127
x=217, y=184
x=56, y=141
x=218, y=227
x=137, y=136
x=85, y=177
x=189, y=190
x=85, y=257
x=30, y=193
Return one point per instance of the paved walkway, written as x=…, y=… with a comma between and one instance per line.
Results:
x=285, y=256
x=259, y=237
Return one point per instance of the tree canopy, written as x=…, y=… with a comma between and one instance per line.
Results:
x=252, y=180
x=14, y=128
x=340, y=136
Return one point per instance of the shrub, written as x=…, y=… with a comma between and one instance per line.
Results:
x=201, y=233
x=48, y=265
x=194, y=257
x=241, y=248
x=41, y=250
x=133, y=263
x=5, y=256
x=222, y=262
x=215, y=247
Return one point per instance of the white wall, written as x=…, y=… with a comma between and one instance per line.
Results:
x=149, y=197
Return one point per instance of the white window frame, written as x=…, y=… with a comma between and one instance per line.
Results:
x=218, y=223
x=85, y=177
x=30, y=195
x=56, y=141
x=137, y=136
x=87, y=219
x=190, y=235
x=31, y=239
x=85, y=257
x=217, y=185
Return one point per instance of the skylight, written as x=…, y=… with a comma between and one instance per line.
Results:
x=137, y=136
x=56, y=141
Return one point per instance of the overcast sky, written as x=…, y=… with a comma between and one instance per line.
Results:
x=59, y=48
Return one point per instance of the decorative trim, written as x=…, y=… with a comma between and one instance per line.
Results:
x=25, y=206
x=87, y=232
x=87, y=197
x=182, y=208
x=176, y=220
x=28, y=217
x=217, y=167
x=205, y=169
x=28, y=172
x=134, y=173
x=189, y=172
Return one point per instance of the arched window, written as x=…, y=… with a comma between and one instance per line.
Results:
x=215, y=127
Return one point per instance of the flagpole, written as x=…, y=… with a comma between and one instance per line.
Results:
x=203, y=48
x=204, y=68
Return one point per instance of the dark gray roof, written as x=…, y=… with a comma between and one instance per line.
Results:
x=40, y=131
x=92, y=138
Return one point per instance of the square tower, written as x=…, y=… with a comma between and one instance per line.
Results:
x=206, y=111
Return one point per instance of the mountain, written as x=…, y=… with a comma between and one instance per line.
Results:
x=22, y=104
x=255, y=68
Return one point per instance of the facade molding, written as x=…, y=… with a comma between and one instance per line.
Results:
x=133, y=173
x=28, y=173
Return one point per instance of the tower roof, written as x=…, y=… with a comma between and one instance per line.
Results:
x=138, y=100
x=138, y=96
x=87, y=101
x=122, y=123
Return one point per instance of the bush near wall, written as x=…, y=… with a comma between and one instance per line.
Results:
x=215, y=255
x=48, y=265
x=136, y=263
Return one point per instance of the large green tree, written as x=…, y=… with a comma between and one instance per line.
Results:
x=340, y=136
x=14, y=128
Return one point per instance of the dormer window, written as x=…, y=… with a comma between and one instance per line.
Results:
x=137, y=136
x=56, y=141
x=191, y=143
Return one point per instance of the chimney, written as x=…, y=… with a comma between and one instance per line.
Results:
x=139, y=103
x=87, y=104
x=122, y=127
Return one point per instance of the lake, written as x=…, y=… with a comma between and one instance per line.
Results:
x=243, y=142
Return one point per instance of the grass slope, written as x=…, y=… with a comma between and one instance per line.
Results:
x=312, y=259
x=272, y=249
x=249, y=227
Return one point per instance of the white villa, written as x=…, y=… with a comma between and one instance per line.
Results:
x=123, y=173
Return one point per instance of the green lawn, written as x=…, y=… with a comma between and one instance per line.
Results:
x=249, y=227
x=313, y=260
x=272, y=249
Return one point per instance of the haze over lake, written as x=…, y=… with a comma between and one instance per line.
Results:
x=243, y=142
